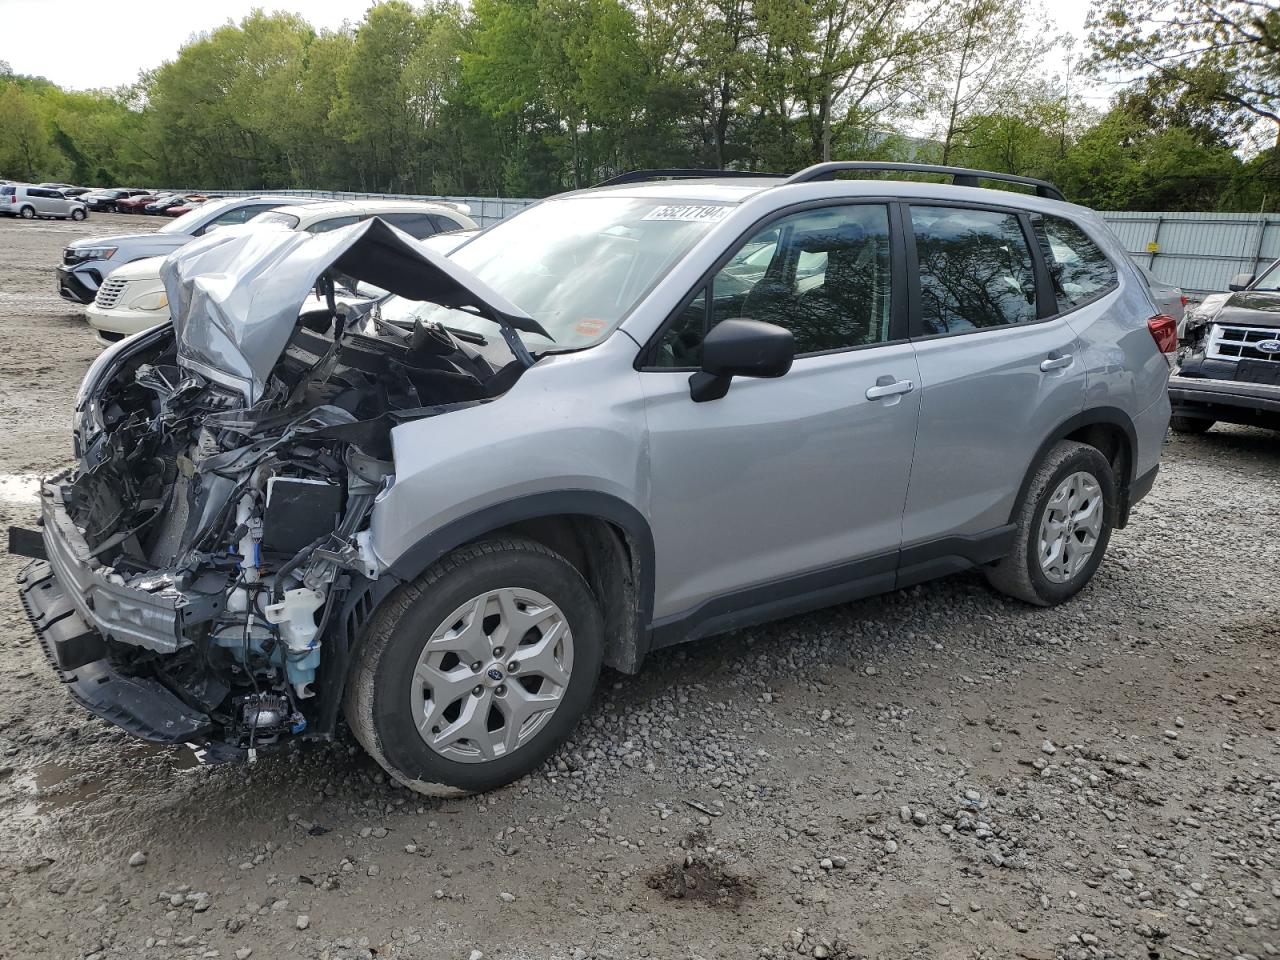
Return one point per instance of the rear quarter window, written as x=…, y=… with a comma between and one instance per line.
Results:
x=1080, y=270
x=7, y=191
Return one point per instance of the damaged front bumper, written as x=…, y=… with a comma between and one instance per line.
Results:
x=140, y=705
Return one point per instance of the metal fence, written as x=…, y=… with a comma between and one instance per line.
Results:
x=1200, y=252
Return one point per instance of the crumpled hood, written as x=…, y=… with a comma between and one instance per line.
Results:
x=1245, y=308
x=235, y=294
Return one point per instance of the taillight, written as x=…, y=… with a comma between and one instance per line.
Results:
x=1164, y=331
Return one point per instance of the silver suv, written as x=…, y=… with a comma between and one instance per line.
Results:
x=624, y=418
x=86, y=263
x=29, y=203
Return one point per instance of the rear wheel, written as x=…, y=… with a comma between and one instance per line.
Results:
x=471, y=676
x=27, y=213
x=1063, y=527
x=1190, y=425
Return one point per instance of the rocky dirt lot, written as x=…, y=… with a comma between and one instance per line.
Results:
x=939, y=773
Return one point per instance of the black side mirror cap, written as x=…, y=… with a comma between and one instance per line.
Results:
x=741, y=348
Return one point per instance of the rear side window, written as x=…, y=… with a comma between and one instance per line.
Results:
x=1080, y=270
x=287, y=220
x=7, y=191
x=976, y=269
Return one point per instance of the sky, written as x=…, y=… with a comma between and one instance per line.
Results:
x=92, y=43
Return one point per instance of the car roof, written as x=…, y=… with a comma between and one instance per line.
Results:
x=323, y=209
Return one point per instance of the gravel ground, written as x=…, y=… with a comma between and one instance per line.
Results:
x=938, y=773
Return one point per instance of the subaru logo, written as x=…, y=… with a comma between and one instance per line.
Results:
x=495, y=674
x=1269, y=346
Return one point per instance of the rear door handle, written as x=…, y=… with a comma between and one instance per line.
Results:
x=893, y=388
x=1056, y=363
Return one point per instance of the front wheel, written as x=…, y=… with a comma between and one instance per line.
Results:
x=77, y=214
x=1063, y=527
x=472, y=675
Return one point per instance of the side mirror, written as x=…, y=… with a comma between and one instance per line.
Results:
x=740, y=348
x=1240, y=281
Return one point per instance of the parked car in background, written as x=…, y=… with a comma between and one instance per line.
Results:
x=1168, y=297
x=164, y=202
x=572, y=448
x=418, y=218
x=86, y=263
x=135, y=203
x=30, y=203
x=133, y=298
x=104, y=201
x=186, y=206
x=1228, y=369
x=57, y=186
x=75, y=192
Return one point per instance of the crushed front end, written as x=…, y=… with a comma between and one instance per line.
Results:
x=206, y=561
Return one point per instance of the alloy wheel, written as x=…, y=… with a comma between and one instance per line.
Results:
x=1070, y=527
x=492, y=674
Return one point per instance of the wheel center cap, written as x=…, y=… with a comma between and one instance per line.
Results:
x=494, y=676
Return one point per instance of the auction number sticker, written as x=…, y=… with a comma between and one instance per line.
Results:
x=689, y=212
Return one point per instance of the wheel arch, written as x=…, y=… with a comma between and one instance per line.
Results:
x=1107, y=429
x=607, y=539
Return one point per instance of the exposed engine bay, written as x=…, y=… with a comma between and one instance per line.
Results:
x=223, y=519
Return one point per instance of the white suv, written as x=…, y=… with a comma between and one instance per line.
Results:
x=132, y=298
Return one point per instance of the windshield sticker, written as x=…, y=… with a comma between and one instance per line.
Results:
x=689, y=213
x=589, y=327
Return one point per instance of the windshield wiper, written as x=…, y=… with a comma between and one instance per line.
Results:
x=469, y=336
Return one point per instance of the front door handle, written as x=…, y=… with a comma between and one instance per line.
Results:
x=1056, y=363
x=893, y=388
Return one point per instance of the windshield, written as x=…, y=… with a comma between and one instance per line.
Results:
x=576, y=265
x=193, y=218
x=1269, y=280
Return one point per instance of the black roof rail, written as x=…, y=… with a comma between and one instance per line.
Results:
x=960, y=176
x=640, y=176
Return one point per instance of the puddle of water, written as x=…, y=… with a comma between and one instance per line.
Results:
x=52, y=785
x=19, y=488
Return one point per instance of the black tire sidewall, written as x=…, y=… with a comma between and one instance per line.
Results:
x=398, y=738
x=1089, y=460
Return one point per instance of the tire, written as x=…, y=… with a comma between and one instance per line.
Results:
x=77, y=214
x=27, y=213
x=385, y=695
x=1190, y=425
x=1021, y=574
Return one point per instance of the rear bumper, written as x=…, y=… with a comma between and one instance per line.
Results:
x=139, y=705
x=77, y=286
x=1232, y=400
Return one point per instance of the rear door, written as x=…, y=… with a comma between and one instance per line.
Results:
x=1000, y=370
x=786, y=487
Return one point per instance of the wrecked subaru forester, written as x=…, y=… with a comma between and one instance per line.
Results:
x=622, y=418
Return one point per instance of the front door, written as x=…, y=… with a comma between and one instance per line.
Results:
x=999, y=371
x=795, y=485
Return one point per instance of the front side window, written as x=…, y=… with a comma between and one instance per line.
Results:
x=416, y=225
x=1080, y=270
x=823, y=274
x=975, y=267
x=333, y=223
